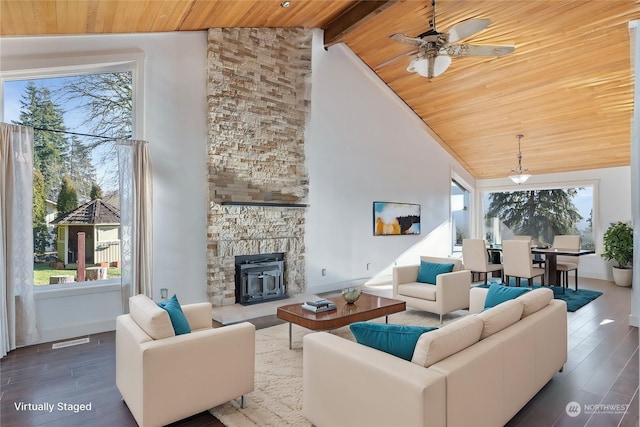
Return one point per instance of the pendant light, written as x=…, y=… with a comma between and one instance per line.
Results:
x=519, y=175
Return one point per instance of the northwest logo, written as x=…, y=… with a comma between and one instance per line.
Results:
x=573, y=409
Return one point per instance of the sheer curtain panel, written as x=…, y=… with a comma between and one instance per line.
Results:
x=136, y=222
x=17, y=306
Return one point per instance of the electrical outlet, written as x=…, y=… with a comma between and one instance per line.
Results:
x=324, y=271
x=164, y=293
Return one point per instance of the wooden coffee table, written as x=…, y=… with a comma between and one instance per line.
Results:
x=366, y=308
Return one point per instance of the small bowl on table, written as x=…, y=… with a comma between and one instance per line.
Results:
x=351, y=295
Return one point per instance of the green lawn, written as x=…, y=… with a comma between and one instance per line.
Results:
x=42, y=272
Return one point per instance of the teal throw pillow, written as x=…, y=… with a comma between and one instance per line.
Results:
x=178, y=319
x=428, y=271
x=398, y=340
x=498, y=294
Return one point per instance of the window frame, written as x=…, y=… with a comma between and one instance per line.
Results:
x=70, y=65
x=554, y=185
x=463, y=185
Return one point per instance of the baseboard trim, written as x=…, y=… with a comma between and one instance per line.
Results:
x=68, y=332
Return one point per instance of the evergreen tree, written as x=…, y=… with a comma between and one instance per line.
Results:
x=68, y=197
x=41, y=236
x=39, y=111
x=541, y=214
x=96, y=192
x=79, y=168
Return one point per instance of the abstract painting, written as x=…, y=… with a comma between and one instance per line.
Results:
x=390, y=218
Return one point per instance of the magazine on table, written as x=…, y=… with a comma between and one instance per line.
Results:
x=319, y=309
x=320, y=303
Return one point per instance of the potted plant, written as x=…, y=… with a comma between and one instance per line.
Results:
x=618, y=246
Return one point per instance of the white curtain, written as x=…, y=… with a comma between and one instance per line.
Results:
x=17, y=305
x=136, y=238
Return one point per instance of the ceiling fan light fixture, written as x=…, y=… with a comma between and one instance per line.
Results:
x=421, y=66
x=519, y=176
x=440, y=64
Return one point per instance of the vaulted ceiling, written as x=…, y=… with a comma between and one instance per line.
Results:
x=567, y=87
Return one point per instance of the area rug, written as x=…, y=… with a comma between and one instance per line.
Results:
x=277, y=398
x=574, y=299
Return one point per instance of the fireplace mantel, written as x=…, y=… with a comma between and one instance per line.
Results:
x=266, y=204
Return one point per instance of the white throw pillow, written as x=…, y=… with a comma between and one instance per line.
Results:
x=448, y=340
x=501, y=316
x=535, y=300
x=154, y=320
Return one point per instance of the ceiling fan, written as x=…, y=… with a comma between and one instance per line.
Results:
x=435, y=49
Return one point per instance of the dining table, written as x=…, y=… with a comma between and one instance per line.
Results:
x=551, y=273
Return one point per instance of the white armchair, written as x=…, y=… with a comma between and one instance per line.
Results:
x=450, y=293
x=164, y=378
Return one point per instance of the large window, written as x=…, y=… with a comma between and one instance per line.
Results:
x=541, y=214
x=76, y=120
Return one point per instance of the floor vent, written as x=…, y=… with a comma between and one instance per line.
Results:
x=70, y=343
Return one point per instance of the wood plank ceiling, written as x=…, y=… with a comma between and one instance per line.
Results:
x=568, y=86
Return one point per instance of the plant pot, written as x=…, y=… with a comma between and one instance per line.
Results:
x=622, y=276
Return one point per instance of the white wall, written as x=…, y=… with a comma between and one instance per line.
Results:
x=612, y=200
x=365, y=145
x=175, y=124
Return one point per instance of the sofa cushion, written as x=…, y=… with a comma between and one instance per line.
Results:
x=418, y=290
x=178, y=319
x=399, y=340
x=501, y=316
x=428, y=271
x=457, y=262
x=152, y=319
x=535, y=300
x=448, y=340
x=498, y=294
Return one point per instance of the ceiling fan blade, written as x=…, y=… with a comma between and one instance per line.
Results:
x=409, y=40
x=395, y=58
x=477, y=50
x=467, y=28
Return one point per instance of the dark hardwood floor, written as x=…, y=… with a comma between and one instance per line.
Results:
x=601, y=376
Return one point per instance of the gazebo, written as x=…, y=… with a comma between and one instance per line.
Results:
x=100, y=222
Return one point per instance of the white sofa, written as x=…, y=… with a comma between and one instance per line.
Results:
x=450, y=293
x=489, y=369
x=164, y=377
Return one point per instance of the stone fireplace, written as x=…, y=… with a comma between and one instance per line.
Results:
x=258, y=101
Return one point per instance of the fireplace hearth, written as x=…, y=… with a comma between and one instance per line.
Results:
x=259, y=278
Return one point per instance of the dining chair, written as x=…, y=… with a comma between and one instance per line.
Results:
x=567, y=263
x=475, y=257
x=516, y=260
x=535, y=259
